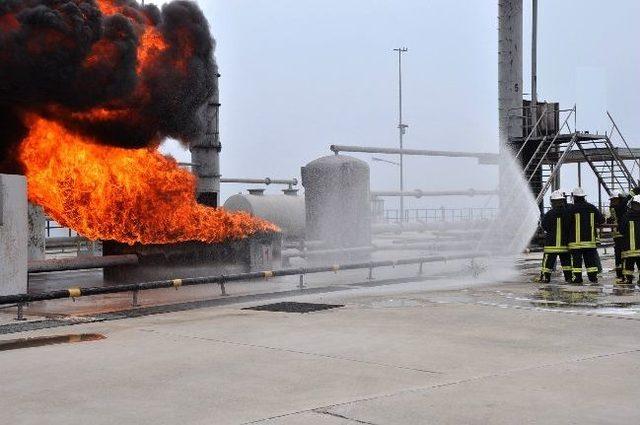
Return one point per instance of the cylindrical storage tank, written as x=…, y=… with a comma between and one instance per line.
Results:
x=285, y=211
x=337, y=202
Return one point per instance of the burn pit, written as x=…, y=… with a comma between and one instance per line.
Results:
x=90, y=90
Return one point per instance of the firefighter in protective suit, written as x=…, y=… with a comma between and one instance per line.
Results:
x=617, y=211
x=555, y=225
x=630, y=229
x=584, y=218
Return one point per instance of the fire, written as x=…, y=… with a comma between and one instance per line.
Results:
x=108, y=7
x=128, y=195
x=151, y=45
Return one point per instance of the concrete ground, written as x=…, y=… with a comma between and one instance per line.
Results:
x=431, y=352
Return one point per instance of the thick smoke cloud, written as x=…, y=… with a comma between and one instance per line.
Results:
x=125, y=74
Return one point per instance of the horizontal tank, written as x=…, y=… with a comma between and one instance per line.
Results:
x=286, y=211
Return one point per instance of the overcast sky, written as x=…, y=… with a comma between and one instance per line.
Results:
x=298, y=76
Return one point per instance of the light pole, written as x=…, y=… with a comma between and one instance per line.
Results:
x=401, y=126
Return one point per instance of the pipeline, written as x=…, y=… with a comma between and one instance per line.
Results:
x=482, y=157
x=76, y=292
x=420, y=193
x=81, y=263
x=266, y=180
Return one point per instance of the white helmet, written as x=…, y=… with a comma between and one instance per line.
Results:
x=557, y=195
x=578, y=192
x=636, y=199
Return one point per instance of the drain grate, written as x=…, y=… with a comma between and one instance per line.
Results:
x=293, y=307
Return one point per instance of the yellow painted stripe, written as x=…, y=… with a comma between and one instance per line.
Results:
x=593, y=227
x=558, y=232
x=577, y=217
x=267, y=274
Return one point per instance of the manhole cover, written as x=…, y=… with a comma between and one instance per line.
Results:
x=293, y=307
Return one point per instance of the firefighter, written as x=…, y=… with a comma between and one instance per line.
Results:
x=555, y=225
x=584, y=218
x=617, y=211
x=630, y=229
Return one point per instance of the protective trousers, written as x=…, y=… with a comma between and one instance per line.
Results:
x=549, y=263
x=617, y=249
x=628, y=264
x=591, y=262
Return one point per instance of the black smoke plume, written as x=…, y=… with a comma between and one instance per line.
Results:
x=81, y=63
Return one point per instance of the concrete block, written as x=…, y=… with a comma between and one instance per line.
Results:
x=13, y=234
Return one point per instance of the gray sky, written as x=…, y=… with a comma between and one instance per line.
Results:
x=300, y=75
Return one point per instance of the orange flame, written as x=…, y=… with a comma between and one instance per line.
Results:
x=108, y=7
x=151, y=45
x=128, y=195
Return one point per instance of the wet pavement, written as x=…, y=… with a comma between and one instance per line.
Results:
x=439, y=349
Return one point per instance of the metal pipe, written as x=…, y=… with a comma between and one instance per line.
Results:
x=81, y=263
x=534, y=64
x=509, y=81
x=76, y=292
x=420, y=227
x=266, y=180
x=420, y=193
x=205, y=152
x=483, y=157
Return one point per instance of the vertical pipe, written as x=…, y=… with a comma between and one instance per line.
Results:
x=509, y=81
x=205, y=153
x=534, y=65
x=579, y=175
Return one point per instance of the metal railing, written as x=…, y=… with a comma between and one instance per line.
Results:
x=438, y=215
x=54, y=225
x=75, y=292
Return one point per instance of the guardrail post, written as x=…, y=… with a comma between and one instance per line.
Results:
x=301, y=282
x=223, y=290
x=420, y=269
x=20, y=314
x=134, y=298
x=370, y=277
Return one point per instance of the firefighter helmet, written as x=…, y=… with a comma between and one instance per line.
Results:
x=557, y=195
x=578, y=192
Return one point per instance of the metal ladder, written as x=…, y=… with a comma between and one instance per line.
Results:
x=541, y=153
x=612, y=174
x=556, y=168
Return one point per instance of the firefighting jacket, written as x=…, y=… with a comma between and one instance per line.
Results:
x=584, y=218
x=555, y=224
x=617, y=215
x=630, y=229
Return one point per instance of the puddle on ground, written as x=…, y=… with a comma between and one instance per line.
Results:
x=395, y=303
x=604, y=298
x=16, y=344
